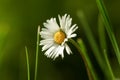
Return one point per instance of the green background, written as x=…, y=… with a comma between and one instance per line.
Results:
x=19, y=20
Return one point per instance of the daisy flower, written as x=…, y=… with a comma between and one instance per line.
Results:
x=54, y=36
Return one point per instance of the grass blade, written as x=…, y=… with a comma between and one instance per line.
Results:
x=27, y=60
x=37, y=48
x=103, y=44
x=101, y=33
x=108, y=27
x=99, y=57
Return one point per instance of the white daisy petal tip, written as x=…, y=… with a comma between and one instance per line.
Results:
x=54, y=36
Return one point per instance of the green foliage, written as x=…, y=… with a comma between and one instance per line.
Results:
x=37, y=49
x=27, y=61
x=108, y=27
x=102, y=59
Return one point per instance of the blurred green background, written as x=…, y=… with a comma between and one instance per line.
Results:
x=19, y=20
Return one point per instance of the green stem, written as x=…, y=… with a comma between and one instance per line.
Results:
x=37, y=48
x=84, y=59
x=85, y=54
x=108, y=27
x=27, y=60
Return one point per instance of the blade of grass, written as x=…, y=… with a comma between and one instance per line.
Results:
x=109, y=67
x=101, y=32
x=37, y=48
x=103, y=44
x=27, y=60
x=85, y=54
x=101, y=60
x=108, y=27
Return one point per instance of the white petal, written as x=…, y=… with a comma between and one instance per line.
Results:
x=65, y=40
x=68, y=49
x=65, y=22
x=51, y=25
x=62, y=21
x=68, y=23
x=47, y=53
x=46, y=35
x=45, y=47
x=55, y=54
x=57, y=51
x=72, y=35
x=61, y=51
x=46, y=41
x=72, y=30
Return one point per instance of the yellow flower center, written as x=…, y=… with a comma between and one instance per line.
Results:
x=59, y=37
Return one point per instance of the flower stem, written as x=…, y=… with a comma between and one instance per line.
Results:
x=27, y=60
x=37, y=48
x=86, y=61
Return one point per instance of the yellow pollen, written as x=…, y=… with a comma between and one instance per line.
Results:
x=59, y=37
